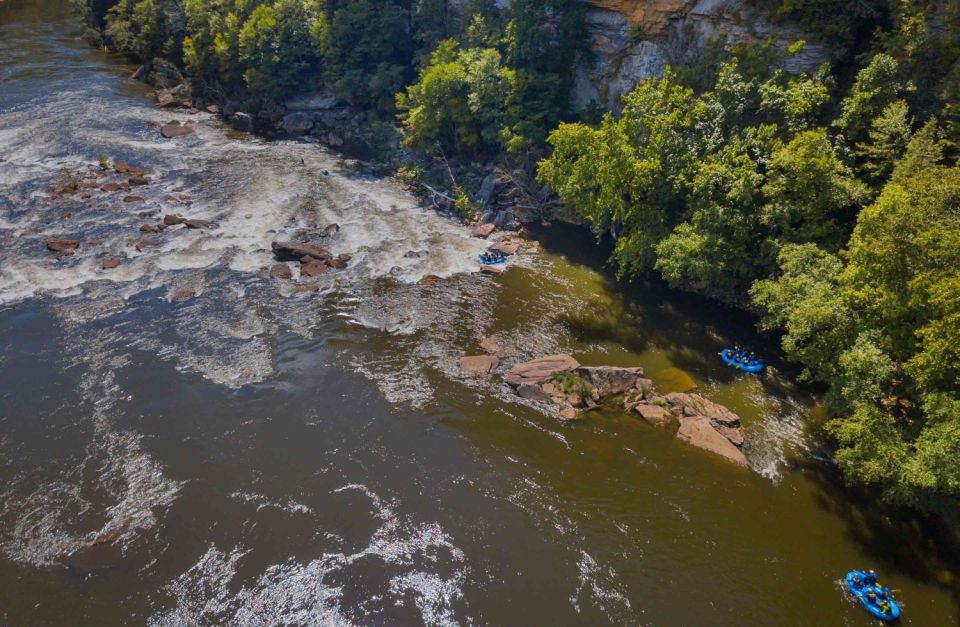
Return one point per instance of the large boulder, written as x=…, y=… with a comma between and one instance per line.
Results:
x=541, y=370
x=698, y=405
x=480, y=364
x=698, y=431
x=294, y=251
x=242, y=121
x=297, y=123
x=724, y=421
x=610, y=380
x=62, y=245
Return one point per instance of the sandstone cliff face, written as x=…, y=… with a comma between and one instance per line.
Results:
x=636, y=39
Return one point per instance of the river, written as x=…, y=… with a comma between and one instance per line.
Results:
x=249, y=454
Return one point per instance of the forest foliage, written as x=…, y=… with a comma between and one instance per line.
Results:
x=826, y=201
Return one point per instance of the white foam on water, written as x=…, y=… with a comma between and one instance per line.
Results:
x=129, y=484
x=305, y=593
x=262, y=502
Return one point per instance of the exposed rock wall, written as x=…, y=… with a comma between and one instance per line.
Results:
x=636, y=39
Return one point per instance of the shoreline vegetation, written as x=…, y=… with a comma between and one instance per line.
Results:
x=825, y=202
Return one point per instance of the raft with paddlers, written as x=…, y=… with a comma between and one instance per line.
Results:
x=741, y=360
x=873, y=596
x=491, y=258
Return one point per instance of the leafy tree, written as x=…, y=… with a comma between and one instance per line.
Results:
x=889, y=135
x=796, y=101
x=140, y=29
x=459, y=100
x=812, y=196
x=806, y=302
x=368, y=52
x=629, y=174
x=876, y=87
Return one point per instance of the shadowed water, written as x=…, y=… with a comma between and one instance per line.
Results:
x=251, y=455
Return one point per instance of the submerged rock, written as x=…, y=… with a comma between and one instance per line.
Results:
x=540, y=370
x=674, y=380
x=480, y=364
x=174, y=129
x=108, y=263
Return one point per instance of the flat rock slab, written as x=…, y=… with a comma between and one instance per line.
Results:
x=479, y=364
x=313, y=269
x=483, y=230
x=654, y=414
x=541, y=370
x=698, y=431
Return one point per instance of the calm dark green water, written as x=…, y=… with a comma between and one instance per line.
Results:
x=263, y=457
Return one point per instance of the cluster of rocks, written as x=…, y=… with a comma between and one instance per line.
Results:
x=700, y=422
x=114, y=184
x=703, y=423
x=314, y=260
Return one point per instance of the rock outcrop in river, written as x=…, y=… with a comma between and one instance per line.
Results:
x=560, y=380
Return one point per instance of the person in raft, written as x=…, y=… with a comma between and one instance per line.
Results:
x=494, y=256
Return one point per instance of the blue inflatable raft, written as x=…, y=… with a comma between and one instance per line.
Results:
x=490, y=260
x=741, y=360
x=874, y=598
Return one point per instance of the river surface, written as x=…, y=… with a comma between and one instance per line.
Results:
x=257, y=455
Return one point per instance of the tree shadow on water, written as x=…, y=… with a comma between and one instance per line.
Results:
x=688, y=328
x=924, y=546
